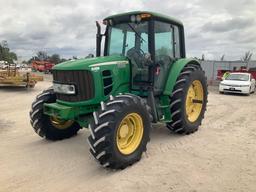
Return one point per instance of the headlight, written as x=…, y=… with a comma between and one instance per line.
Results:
x=64, y=89
x=244, y=85
x=223, y=84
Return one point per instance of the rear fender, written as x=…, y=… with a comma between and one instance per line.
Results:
x=174, y=73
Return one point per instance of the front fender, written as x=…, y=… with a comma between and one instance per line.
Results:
x=174, y=73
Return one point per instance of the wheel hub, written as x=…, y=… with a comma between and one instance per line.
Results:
x=60, y=124
x=194, y=101
x=129, y=133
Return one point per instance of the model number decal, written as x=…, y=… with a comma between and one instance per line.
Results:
x=109, y=63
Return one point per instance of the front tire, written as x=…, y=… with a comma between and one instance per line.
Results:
x=188, y=100
x=120, y=131
x=48, y=127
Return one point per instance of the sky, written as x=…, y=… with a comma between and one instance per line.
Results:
x=212, y=27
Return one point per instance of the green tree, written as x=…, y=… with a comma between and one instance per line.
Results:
x=42, y=55
x=63, y=60
x=13, y=56
x=5, y=53
x=55, y=58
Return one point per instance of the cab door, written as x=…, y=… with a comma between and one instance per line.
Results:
x=167, y=49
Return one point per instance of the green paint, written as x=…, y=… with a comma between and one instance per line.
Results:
x=120, y=72
x=165, y=108
x=84, y=64
x=174, y=73
x=60, y=111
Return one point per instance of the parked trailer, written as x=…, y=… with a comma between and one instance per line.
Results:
x=12, y=77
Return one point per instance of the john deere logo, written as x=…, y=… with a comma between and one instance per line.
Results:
x=95, y=69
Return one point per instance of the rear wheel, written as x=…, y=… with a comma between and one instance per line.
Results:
x=120, y=131
x=188, y=100
x=51, y=128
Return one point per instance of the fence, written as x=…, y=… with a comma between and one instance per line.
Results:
x=211, y=68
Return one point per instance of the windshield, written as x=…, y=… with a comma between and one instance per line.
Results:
x=126, y=36
x=238, y=77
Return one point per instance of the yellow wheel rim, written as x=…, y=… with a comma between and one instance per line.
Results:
x=194, y=101
x=60, y=124
x=129, y=133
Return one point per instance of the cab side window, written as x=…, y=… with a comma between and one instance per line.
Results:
x=163, y=40
x=176, y=42
x=164, y=52
x=130, y=41
x=116, y=44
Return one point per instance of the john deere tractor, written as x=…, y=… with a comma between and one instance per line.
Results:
x=142, y=77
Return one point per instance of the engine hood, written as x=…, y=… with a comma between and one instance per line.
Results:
x=83, y=64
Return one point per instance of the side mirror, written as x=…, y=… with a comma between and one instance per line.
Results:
x=253, y=80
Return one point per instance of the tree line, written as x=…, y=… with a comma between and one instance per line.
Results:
x=6, y=54
x=43, y=56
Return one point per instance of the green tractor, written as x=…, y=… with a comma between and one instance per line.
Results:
x=142, y=77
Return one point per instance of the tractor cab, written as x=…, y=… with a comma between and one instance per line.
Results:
x=150, y=41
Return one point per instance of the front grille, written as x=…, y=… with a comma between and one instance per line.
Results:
x=234, y=90
x=82, y=80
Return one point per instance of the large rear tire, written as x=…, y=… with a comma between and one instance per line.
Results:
x=48, y=127
x=120, y=131
x=188, y=100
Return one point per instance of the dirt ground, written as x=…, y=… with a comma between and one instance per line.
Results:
x=221, y=156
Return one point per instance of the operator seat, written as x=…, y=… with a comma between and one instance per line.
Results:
x=135, y=56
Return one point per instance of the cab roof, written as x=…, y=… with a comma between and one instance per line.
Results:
x=156, y=16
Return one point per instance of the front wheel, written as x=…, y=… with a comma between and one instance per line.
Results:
x=120, y=131
x=48, y=127
x=188, y=100
x=252, y=90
